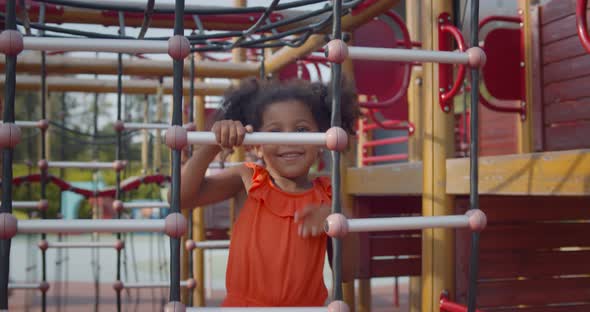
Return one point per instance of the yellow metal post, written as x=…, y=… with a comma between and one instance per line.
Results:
x=525, y=130
x=351, y=242
x=364, y=284
x=198, y=214
x=415, y=115
x=438, y=265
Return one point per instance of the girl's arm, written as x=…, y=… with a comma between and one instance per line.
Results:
x=196, y=189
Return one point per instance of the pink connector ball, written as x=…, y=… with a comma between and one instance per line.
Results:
x=118, y=206
x=8, y=225
x=338, y=306
x=476, y=57
x=175, y=306
x=119, y=165
x=43, y=124
x=179, y=47
x=9, y=135
x=119, y=244
x=11, y=42
x=176, y=137
x=118, y=285
x=43, y=245
x=42, y=205
x=191, y=283
x=119, y=125
x=336, y=225
x=44, y=286
x=336, y=139
x=175, y=225
x=477, y=220
x=189, y=245
x=336, y=51
x=42, y=164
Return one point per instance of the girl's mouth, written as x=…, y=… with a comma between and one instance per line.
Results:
x=290, y=155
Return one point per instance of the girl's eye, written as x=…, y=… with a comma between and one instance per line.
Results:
x=302, y=129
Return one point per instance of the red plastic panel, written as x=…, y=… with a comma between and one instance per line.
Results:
x=377, y=78
x=502, y=72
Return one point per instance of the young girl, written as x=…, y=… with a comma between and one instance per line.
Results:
x=278, y=245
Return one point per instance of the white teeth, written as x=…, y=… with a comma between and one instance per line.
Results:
x=291, y=155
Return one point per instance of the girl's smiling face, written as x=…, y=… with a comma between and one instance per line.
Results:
x=288, y=161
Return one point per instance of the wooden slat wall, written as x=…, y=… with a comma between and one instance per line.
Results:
x=389, y=253
x=497, y=132
x=535, y=253
x=566, y=76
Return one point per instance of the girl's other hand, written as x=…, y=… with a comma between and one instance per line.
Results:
x=311, y=220
x=230, y=133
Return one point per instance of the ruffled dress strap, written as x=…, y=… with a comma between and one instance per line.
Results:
x=281, y=203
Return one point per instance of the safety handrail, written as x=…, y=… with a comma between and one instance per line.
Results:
x=448, y=306
x=499, y=18
x=502, y=106
x=582, y=24
x=392, y=124
x=446, y=97
x=403, y=90
x=507, y=106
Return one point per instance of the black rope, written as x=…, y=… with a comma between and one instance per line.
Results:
x=176, y=155
x=118, y=150
x=147, y=18
x=43, y=156
x=26, y=20
x=203, y=39
x=474, y=162
x=7, y=155
x=336, y=121
x=254, y=28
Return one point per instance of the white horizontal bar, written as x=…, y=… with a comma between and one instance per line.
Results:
x=407, y=55
x=283, y=138
x=81, y=245
x=155, y=204
x=25, y=204
x=281, y=309
x=214, y=244
x=90, y=226
x=147, y=126
x=24, y=285
x=406, y=223
x=25, y=123
x=95, y=45
x=158, y=284
x=80, y=164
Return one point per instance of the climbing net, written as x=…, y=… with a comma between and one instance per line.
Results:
x=178, y=47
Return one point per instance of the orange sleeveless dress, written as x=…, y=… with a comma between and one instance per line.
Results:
x=269, y=263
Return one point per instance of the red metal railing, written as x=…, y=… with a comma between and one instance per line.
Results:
x=582, y=24
x=448, y=306
x=445, y=72
x=502, y=106
x=367, y=127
